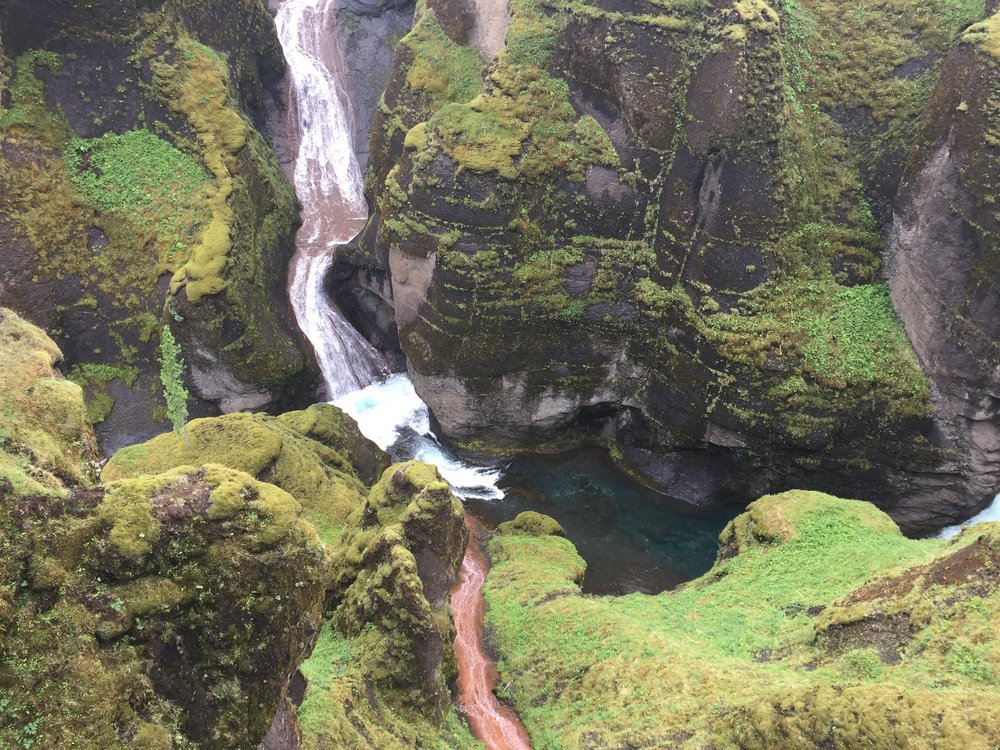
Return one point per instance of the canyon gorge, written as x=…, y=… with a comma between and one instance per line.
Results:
x=585, y=374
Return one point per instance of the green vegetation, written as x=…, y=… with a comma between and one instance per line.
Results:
x=800, y=609
x=29, y=110
x=199, y=89
x=116, y=211
x=379, y=674
x=172, y=379
x=448, y=72
x=45, y=440
x=337, y=671
x=316, y=455
x=986, y=35
x=143, y=179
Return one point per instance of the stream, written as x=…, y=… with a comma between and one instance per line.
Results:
x=328, y=181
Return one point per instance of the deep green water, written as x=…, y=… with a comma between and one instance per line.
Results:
x=632, y=538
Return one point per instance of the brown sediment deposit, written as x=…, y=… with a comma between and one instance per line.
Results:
x=492, y=722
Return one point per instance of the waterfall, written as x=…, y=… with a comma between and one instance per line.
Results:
x=990, y=513
x=328, y=182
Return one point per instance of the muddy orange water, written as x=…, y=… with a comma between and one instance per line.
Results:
x=491, y=721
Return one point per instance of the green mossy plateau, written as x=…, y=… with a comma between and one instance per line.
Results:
x=819, y=625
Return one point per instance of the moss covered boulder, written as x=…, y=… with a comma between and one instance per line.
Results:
x=820, y=625
x=46, y=443
x=159, y=611
x=138, y=190
x=380, y=673
x=663, y=226
x=317, y=455
x=162, y=612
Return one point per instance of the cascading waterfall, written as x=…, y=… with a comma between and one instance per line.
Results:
x=990, y=513
x=328, y=182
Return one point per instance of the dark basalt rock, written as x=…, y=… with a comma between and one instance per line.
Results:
x=708, y=283
x=944, y=269
x=88, y=274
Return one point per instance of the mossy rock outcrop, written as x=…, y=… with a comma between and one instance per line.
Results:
x=164, y=612
x=380, y=673
x=158, y=612
x=663, y=226
x=820, y=625
x=317, y=455
x=46, y=444
x=139, y=190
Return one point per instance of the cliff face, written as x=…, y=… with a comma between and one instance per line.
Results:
x=944, y=271
x=662, y=227
x=165, y=611
x=138, y=191
x=170, y=602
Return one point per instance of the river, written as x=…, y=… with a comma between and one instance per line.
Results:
x=328, y=181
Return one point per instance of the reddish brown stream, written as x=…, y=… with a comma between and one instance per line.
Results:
x=318, y=141
x=491, y=721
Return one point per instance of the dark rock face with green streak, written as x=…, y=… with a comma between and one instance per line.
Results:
x=137, y=190
x=945, y=252
x=662, y=226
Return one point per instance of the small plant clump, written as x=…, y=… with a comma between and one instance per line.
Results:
x=172, y=379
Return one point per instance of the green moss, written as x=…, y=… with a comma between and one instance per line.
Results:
x=448, y=72
x=94, y=380
x=147, y=182
x=720, y=657
x=128, y=510
x=986, y=35
x=44, y=437
x=29, y=111
x=199, y=90
x=532, y=524
x=378, y=674
x=309, y=454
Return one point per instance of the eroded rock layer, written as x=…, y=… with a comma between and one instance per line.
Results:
x=661, y=226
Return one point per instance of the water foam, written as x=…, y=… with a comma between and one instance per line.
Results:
x=991, y=513
x=393, y=416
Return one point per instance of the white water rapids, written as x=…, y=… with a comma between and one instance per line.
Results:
x=329, y=184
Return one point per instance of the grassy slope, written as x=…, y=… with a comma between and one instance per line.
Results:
x=715, y=660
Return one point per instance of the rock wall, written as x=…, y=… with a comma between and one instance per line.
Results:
x=139, y=190
x=662, y=228
x=943, y=270
x=162, y=611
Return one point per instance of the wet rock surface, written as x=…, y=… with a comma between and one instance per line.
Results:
x=621, y=227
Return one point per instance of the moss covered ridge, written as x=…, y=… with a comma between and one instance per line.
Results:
x=819, y=625
x=380, y=672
